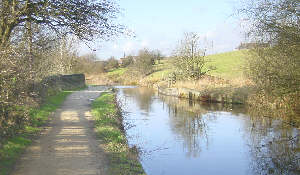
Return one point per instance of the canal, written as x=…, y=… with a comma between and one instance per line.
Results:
x=176, y=136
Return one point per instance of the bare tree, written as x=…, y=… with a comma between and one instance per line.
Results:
x=276, y=68
x=112, y=63
x=190, y=58
x=272, y=21
x=36, y=40
x=158, y=56
x=144, y=62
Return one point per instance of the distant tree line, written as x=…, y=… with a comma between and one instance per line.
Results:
x=142, y=64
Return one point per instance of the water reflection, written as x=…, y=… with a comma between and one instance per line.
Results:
x=209, y=139
x=188, y=120
x=274, y=146
x=191, y=129
x=143, y=97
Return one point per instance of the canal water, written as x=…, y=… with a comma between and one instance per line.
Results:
x=177, y=137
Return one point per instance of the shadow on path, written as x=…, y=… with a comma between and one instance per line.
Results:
x=69, y=145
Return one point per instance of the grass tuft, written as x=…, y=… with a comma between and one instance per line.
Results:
x=123, y=160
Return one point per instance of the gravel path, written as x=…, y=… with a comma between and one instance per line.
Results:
x=68, y=146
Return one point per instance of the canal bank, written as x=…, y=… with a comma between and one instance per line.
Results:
x=221, y=95
x=109, y=127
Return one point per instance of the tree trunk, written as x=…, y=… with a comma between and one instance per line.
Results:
x=6, y=31
x=29, y=37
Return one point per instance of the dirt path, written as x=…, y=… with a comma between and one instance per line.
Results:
x=69, y=145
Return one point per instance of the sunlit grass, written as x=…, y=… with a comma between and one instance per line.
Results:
x=228, y=65
x=40, y=116
x=123, y=160
x=10, y=151
x=117, y=72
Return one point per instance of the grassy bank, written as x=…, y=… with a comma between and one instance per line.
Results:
x=109, y=127
x=227, y=82
x=12, y=148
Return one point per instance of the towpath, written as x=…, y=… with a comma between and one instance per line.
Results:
x=68, y=145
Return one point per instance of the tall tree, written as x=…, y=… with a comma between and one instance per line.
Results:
x=86, y=19
x=273, y=20
x=275, y=69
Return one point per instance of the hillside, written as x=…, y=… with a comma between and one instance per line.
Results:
x=229, y=64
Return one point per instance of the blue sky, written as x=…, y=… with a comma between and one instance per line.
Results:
x=160, y=24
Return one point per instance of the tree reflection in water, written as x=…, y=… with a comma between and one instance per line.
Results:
x=188, y=122
x=274, y=145
x=191, y=128
x=143, y=97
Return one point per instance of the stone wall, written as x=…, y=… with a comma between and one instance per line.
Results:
x=221, y=96
x=52, y=84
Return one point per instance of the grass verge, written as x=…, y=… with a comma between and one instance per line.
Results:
x=109, y=128
x=12, y=148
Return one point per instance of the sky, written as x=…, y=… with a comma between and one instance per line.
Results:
x=160, y=24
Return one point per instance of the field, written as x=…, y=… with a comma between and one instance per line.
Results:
x=229, y=66
x=117, y=72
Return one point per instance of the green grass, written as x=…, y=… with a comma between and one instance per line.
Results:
x=228, y=65
x=10, y=151
x=123, y=160
x=117, y=72
x=40, y=116
x=12, y=148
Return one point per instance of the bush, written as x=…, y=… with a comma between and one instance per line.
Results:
x=275, y=68
x=190, y=58
x=144, y=62
x=15, y=80
x=127, y=61
x=88, y=64
x=111, y=63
